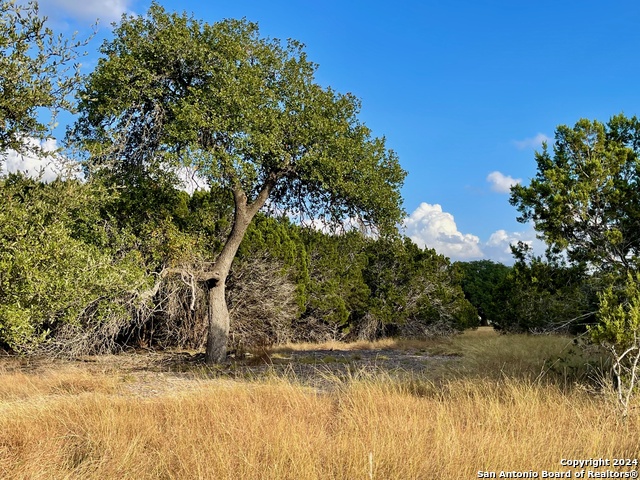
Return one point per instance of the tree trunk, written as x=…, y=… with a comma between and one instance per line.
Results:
x=218, y=319
x=217, y=311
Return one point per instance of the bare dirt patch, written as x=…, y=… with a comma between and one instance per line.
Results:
x=148, y=374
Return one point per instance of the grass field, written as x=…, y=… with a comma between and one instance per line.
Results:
x=502, y=403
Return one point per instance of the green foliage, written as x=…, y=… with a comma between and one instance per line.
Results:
x=619, y=315
x=413, y=288
x=585, y=197
x=55, y=266
x=278, y=240
x=337, y=293
x=372, y=288
x=434, y=296
x=618, y=331
x=35, y=74
x=210, y=216
x=358, y=287
x=246, y=114
x=586, y=202
x=545, y=294
x=242, y=110
x=69, y=257
x=481, y=282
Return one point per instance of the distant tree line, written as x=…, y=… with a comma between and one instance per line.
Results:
x=535, y=295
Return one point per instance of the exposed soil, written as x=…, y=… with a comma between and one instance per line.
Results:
x=149, y=374
x=341, y=363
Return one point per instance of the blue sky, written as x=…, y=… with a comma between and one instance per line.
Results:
x=460, y=89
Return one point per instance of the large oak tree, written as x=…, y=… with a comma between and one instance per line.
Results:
x=246, y=113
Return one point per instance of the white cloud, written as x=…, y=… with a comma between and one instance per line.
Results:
x=47, y=169
x=86, y=10
x=535, y=142
x=498, y=247
x=501, y=183
x=429, y=226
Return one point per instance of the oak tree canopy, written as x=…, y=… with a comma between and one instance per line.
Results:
x=245, y=113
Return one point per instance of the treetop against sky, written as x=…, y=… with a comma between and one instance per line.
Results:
x=463, y=91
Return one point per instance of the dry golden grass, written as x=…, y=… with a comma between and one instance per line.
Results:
x=369, y=426
x=15, y=386
x=487, y=353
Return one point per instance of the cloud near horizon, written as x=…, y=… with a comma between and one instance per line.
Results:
x=429, y=226
x=502, y=183
x=534, y=142
x=47, y=169
x=498, y=247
